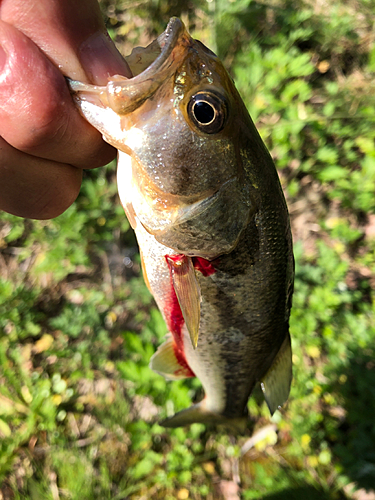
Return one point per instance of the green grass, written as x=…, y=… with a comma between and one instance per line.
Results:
x=79, y=407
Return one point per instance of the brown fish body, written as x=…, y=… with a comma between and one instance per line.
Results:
x=203, y=196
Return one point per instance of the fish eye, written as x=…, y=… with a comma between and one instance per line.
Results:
x=208, y=112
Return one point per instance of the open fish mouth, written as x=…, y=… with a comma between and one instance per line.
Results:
x=149, y=65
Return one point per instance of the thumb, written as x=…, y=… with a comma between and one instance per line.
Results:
x=71, y=33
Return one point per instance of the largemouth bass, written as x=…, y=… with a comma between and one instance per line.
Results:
x=203, y=196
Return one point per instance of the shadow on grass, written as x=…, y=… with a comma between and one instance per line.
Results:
x=304, y=492
x=355, y=446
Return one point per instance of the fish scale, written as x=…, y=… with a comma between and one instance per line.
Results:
x=203, y=196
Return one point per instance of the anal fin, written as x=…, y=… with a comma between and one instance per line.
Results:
x=169, y=362
x=276, y=383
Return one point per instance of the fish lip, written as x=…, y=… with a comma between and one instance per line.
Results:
x=126, y=95
x=167, y=42
x=123, y=95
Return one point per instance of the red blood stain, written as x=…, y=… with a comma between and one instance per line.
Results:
x=175, y=322
x=204, y=266
x=185, y=370
x=175, y=258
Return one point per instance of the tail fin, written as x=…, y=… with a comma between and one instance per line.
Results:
x=198, y=414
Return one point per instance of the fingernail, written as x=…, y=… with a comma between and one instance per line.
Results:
x=100, y=59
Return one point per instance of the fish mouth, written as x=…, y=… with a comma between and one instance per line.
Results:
x=150, y=67
x=153, y=58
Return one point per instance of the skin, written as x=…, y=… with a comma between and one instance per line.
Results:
x=45, y=143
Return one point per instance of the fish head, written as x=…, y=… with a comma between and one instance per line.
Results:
x=177, y=125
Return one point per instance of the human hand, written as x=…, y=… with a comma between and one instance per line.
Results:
x=45, y=143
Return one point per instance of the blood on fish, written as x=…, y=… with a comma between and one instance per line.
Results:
x=181, y=360
x=175, y=257
x=175, y=322
x=204, y=266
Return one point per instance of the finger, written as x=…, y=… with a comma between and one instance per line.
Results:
x=33, y=187
x=71, y=33
x=37, y=114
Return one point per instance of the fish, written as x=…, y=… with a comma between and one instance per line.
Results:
x=203, y=196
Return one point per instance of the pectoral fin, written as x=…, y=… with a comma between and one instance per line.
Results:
x=169, y=362
x=187, y=291
x=276, y=383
